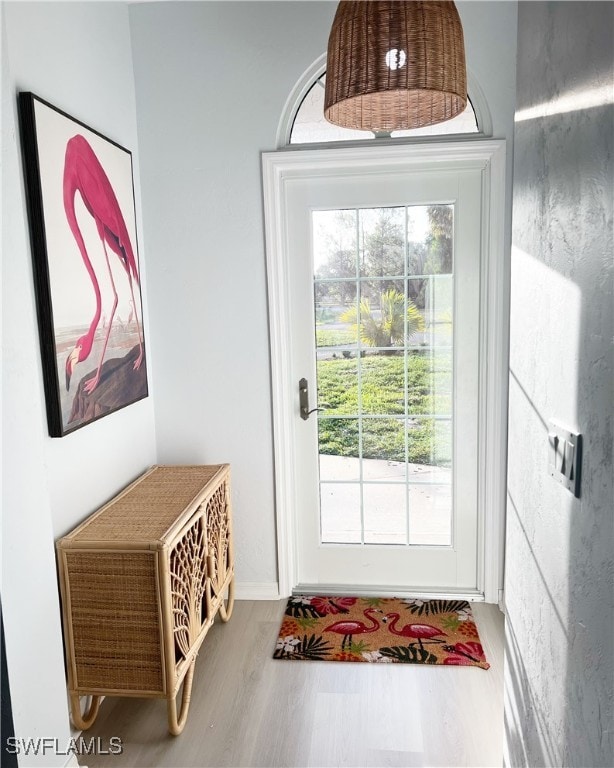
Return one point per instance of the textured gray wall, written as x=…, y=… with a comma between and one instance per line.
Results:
x=559, y=568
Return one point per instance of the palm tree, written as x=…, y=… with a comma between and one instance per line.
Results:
x=385, y=328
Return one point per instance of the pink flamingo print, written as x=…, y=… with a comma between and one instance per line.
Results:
x=83, y=173
x=418, y=632
x=350, y=628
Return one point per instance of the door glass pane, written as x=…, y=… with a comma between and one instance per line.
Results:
x=385, y=513
x=430, y=514
x=383, y=439
x=389, y=470
x=334, y=244
x=381, y=233
x=429, y=447
x=441, y=385
x=430, y=233
x=429, y=382
x=383, y=289
x=337, y=375
x=335, y=307
x=437, y=311
x=339, y=449
x=386, y=319
x=340, y=517
x=382, y=383
x=429, y=475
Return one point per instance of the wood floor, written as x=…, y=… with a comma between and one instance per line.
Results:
x=250, y=710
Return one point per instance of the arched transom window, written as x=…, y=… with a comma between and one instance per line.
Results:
x=310, y=126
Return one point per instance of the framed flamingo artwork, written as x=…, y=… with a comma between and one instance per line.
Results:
x=88, y=282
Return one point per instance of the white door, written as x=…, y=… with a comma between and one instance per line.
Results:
x=382, y=270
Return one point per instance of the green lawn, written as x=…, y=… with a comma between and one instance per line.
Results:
x=383, y=380
x=335, y=337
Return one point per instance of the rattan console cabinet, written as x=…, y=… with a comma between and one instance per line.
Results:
x=141, y=581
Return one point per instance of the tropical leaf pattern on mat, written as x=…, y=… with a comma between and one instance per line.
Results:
x=380, y=630
x=409, y=654
x=314, y=648
x=316, y=607
x=308, y=623
x=434, y=607
x=301, y=607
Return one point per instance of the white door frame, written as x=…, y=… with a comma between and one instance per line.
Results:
x=279, y=169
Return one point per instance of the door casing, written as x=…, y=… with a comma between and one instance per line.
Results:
x=279, y=170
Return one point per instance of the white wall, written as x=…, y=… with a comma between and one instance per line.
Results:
x=559, y=558
x=78, y=57
x=211, y=80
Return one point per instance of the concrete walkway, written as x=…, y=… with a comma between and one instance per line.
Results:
x=429, y=495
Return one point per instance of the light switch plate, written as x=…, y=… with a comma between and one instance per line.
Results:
x=565, y=456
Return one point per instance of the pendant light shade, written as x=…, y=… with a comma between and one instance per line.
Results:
x=395, y=65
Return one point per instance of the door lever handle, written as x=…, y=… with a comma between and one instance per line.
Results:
x=303, y=399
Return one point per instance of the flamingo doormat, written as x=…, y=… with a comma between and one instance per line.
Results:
x=380, y=630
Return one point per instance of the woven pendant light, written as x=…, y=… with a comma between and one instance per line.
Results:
x=395, y=65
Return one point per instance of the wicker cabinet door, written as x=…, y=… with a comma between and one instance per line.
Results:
x=188, y=576
x=219, y=549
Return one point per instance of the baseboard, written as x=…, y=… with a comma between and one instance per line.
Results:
x=257, y=590
x=501, y=601
x=507, y=763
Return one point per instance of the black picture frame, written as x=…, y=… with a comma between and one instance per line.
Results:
x=81, y=209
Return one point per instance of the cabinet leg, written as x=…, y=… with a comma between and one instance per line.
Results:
x=225, y=608
x=176, y=723
x=85, y=720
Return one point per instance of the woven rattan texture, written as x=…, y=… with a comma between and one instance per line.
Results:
x=115, y=621
x=395, y=65
x=165, y=493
